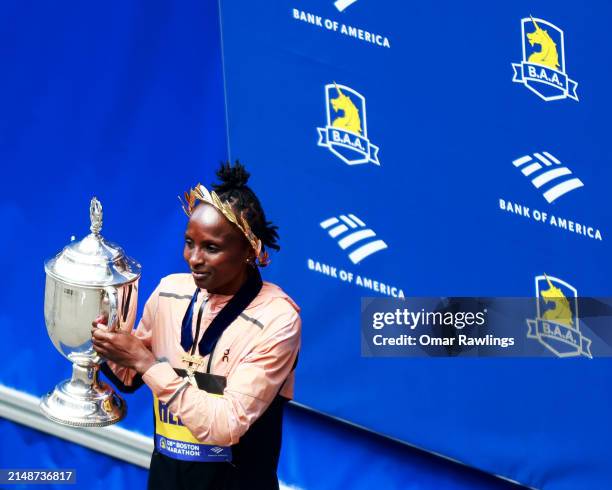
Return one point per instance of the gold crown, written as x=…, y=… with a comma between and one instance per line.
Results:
x=201, y=193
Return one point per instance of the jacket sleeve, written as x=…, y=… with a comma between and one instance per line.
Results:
x=125, y=379
x=250, y=389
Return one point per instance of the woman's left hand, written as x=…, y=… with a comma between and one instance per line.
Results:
x=122, y=348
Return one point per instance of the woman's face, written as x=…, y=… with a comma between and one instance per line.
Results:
x=216, y=251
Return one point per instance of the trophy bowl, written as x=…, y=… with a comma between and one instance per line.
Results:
x=87, y=279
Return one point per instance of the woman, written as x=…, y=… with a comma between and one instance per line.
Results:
x=219, y=360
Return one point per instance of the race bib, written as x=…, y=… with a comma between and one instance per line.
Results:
x=174, y=440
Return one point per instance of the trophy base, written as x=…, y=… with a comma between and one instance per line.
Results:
x=79, y=404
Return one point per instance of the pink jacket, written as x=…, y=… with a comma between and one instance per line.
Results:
x=256, y=354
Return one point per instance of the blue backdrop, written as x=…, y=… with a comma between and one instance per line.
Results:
x=122, y=101
x=126, y=102
x=403, y=189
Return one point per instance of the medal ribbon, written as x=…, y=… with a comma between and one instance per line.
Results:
x=234, y=307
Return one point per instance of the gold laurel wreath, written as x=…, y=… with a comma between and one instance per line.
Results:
x=201, y=193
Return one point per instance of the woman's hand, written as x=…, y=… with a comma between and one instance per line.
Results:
x=120, y=347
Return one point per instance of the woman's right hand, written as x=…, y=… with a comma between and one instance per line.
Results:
x=100, y=322
x=120, y=347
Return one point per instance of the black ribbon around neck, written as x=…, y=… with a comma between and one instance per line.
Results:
x=243, y=297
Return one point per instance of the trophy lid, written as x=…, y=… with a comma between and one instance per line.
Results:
x=93, y=261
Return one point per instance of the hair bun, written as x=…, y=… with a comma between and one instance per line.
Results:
x=235, y=177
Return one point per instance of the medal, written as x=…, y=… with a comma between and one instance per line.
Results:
x=193, y=361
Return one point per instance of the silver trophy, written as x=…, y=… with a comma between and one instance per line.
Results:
x=88, y=278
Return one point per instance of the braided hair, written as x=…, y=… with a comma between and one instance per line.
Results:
x=233, y=188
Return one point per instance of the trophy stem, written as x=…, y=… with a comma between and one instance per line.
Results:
x=83, y=400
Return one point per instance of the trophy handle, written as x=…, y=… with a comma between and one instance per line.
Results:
x=113, y=316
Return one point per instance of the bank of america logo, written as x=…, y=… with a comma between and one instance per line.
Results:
x=547, y=173
x=342, y=5
x=351, y=234
x=217, y=449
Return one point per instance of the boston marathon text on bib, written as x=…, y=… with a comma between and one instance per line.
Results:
x=174, y=440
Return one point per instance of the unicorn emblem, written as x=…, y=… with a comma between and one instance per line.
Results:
x=548, y=55
x=345, y=133
x=557, y=324
x=561, y=313
x=350, y=120
x=542, y=67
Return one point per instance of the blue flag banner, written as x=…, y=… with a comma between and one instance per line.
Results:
x=121, y=102
x=437, y=150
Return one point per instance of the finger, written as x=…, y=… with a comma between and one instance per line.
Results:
x=95, y=341
x=100, y=320
x=99, y=348
x=98, y=333
x=95, y=329
x=102, y=353
x=101, y=343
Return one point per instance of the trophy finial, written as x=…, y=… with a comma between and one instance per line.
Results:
x=95, y=215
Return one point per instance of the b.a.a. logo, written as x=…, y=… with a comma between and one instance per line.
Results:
x=346, y=132
x=542, y=69
x=557, y=325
